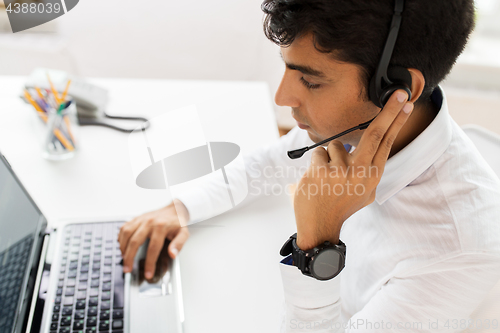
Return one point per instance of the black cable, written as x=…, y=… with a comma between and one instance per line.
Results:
x=93, y=122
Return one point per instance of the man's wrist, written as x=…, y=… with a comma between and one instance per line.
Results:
x=308, y=242
x=181, y=210
x=317, y=262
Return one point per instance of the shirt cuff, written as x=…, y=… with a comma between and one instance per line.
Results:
x=307, y=292
x=288, y=260
x=197, y=204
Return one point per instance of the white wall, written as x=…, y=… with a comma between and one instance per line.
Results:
x=189, y=39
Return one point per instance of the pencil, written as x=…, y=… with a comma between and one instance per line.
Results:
x=39, y=93
x=68, y=127
x=54, y=91
x=40, y=100
x=63, y=140
x=65, y=117
x=56, y=131
x=32, y=101
x=52, y=101
x=63, y=98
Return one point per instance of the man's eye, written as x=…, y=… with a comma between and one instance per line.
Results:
x=309, y=85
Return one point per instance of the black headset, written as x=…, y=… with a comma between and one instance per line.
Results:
x=387, y=80
x=383, y=84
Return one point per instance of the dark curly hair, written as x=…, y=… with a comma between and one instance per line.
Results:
x=432, y=35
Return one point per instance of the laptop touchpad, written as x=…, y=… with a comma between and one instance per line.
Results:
x=160, y=284
x=153, y=303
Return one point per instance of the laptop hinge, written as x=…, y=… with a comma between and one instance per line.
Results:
x=49, y=231
x=37, y=281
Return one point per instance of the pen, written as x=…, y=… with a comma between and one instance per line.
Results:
x=68, y=123
x=61, y=107
x=67, y=130
x=45, y=107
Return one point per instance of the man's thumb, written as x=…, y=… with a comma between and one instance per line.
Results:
x=178, y=242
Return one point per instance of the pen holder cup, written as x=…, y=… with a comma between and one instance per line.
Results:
x=59, y=134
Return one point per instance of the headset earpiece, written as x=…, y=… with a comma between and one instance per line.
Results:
x=400, y=78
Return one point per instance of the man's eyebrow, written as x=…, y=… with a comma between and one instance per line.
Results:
x=303, y=69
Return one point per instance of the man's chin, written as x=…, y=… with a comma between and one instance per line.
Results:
x=313, y=136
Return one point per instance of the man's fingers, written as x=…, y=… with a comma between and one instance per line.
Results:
x=336, y=151
x=154, y=248
x=384, y=150
x=319, y=156
x=178, y=242
x=373, y=135
x=126, y=231
x=133, y=245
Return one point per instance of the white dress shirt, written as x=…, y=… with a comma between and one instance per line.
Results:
x=424, y=257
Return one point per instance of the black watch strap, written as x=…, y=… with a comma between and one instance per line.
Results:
x=287, y=248
x=302, y=259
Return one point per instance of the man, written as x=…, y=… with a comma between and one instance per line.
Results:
x=421, y=223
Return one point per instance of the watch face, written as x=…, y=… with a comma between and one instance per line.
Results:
x=327, y=264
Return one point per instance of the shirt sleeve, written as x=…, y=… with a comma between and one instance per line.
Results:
x=438, y=297
x=267, y=171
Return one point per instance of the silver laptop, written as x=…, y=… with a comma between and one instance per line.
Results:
x=71, y=279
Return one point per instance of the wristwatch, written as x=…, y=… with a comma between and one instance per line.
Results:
x=323, y=262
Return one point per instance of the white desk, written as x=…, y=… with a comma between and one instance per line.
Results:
x=229, y=266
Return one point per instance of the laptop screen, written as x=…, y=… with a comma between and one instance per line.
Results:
x=19, y=222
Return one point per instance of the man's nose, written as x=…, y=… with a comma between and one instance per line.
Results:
x=285, y=95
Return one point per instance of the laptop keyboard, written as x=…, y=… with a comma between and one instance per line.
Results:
x=90, y=293
x=12, y=265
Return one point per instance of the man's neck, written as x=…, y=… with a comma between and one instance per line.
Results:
x=420, y=118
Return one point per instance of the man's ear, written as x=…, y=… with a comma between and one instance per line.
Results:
x=417, y=84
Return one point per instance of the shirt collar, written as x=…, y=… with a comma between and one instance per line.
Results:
x=410, y=162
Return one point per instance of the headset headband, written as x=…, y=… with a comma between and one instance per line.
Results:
x=383, y=65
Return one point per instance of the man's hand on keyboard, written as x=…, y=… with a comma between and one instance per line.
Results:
x=158, y=225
